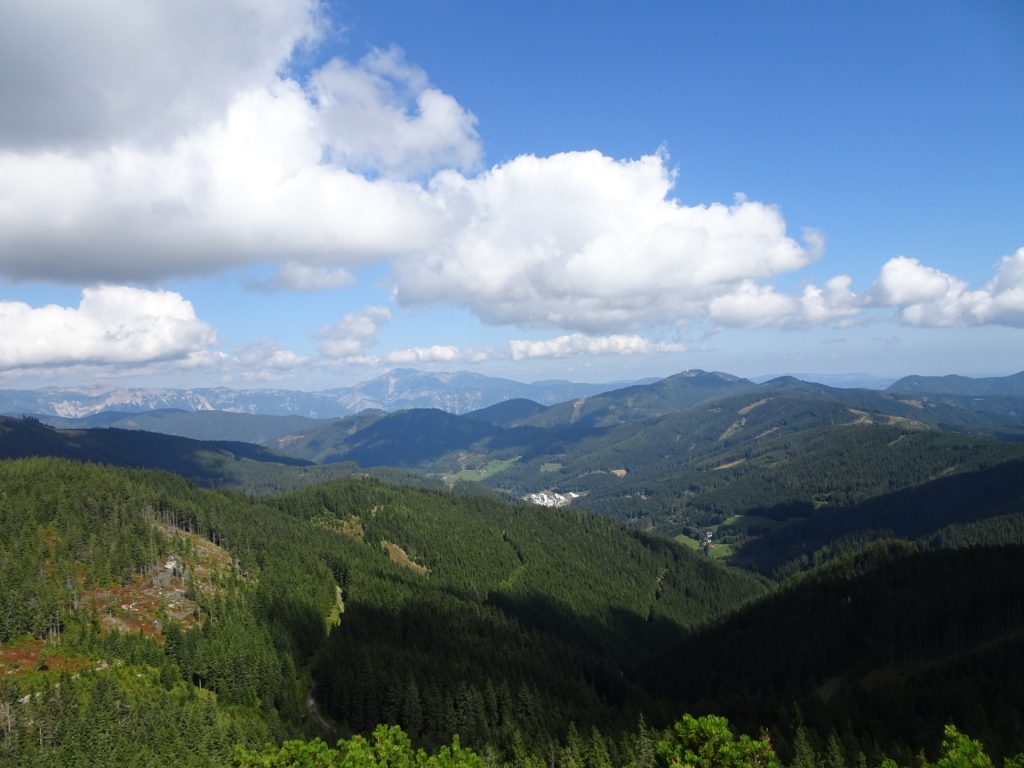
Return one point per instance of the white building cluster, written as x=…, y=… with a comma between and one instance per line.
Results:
x=551, y=499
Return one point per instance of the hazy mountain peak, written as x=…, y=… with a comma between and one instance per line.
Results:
x=455, y=392
x=698, y=373
x=1012, y=385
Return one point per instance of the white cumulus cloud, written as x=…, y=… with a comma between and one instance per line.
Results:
x=136, y=144
x=223, y=161
x=1006, y=292
x=249, y=189
x=582, y=241
x=81, y=75
x=904, y=282
x=350, y=336
x=266, y=355
x=111, y=324
x=382, y=114
x=750, y=305
x=835, y=301
x=924, y=296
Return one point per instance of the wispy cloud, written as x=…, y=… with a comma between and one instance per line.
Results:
x=582, y=345
x=302, y=278
x=436, y=353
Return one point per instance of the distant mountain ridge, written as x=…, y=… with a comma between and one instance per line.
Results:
x=458, y=392
x=536, y=427
x=204, y=461
x=197, y=425
x=639, y=401
x=689, y=455
x=997, y=386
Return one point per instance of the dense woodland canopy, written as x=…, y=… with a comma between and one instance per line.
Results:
x=147, y=621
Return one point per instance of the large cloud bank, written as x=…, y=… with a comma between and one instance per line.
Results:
x=135, y=145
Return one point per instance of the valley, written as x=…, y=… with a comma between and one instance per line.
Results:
x=679, y=457
x=795, y=557
x=433, y=384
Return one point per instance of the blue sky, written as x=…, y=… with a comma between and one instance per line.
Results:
x=286, y=193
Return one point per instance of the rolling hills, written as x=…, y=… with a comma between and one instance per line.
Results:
x=543, y=616
x=693, y=454
x=781, y=449
x=205, y=460
x=863, y=589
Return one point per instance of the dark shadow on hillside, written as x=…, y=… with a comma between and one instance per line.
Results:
x=912, y=513
x=204, y=462
x=512, y=663
x=936, y=632
x=786, y=510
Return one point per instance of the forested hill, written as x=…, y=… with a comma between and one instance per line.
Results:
x=543, y=617
x=669, y=395
x=775, y=455
x=508, y=413
x=889, y=641
x=740, y=467
x=1006, y=386
x=222, y=464
x=143, y=619
x=202, y=619
x=983, y=506
x=21, y=438
x=197, y=425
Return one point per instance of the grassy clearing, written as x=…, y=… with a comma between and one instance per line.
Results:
x=718, y=551
x=686, y=541
x=728, y=465
x=550, y=466
x=350, y=526
x=399, y=557
x=721, y=551
x=334, y=617
x=477, y=475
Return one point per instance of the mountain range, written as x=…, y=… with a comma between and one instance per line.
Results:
x=1012, y=386
x=693, y=455
x=836, y=569
x=457, y=392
